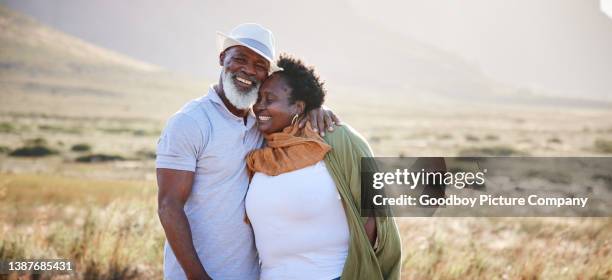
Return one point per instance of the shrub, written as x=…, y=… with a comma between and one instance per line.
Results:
x=99, y=158
x=146, y=154
x=607, y=179
x=116, y=130
x=603, y=146
x=60, y=129
x=81, y=147
x=551, y=176
x=6, y=127
x=142, y=132
x=36, y=142
x=495, y=151
x=33, y=151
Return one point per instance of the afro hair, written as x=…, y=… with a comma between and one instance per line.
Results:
x=305, y=84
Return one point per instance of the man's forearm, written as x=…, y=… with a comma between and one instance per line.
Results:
x=178, y=234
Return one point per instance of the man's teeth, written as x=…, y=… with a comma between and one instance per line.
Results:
x=245, y=81
x=264, y=118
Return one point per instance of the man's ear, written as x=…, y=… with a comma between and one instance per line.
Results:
x=221, y=58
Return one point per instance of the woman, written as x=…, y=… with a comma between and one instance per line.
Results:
x=304, y=198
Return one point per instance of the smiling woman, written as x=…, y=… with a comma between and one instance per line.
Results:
x=303, y=199
x=287, y=96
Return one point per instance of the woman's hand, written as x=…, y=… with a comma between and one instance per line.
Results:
x=321, y=119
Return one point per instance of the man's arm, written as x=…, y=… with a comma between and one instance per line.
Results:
x=174, y=189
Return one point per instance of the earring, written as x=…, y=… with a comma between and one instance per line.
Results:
x=295, y=117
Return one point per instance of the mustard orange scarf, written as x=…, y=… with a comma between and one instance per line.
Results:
x=291, y=149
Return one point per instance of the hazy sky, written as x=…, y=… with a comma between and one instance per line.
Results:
x=561, y=46
x=606, y=7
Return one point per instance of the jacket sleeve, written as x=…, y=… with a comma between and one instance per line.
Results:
x=348, y=148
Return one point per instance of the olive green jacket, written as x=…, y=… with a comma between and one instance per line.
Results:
x=343, y=163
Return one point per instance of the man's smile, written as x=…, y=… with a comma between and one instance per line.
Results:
x=243, y=82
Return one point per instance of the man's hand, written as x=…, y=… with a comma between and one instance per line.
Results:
x=321, y=119
x=174, y=189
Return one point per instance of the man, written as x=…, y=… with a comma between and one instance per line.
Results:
x=201, y=169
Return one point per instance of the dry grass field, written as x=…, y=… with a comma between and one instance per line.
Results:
x=111, y=230
x=103, y=214
x=78, y=128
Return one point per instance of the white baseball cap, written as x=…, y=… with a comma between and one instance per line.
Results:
x=253, y=36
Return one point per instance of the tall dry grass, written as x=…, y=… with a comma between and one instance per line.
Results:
x=507, y=248
x=110, y=228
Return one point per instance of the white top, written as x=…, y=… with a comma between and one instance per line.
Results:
x=299, y=223
x=205, y=138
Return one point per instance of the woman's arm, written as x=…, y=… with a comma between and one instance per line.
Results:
x=370, y=228
x=349, y=147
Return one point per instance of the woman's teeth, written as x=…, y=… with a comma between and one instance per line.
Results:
x=263, y=118
x=244, y=81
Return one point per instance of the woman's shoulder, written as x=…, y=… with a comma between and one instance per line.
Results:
x=345, y=135
x=341, y=133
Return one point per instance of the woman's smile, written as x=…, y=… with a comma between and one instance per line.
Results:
x=263, y=118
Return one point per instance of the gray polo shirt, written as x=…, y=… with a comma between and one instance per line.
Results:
x=206, y=138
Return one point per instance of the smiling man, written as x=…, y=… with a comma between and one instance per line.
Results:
x=201, y=168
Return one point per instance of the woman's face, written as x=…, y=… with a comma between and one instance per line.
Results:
x=273, y=109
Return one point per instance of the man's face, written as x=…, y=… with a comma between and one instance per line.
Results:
x=246, y=68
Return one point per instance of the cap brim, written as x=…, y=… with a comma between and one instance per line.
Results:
x=224, y=42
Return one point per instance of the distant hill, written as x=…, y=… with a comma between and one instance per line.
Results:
x=45, y=71
x=346, y=49
x=48, y=72
x=355, y=55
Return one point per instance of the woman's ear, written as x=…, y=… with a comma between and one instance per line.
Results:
x=299, y=107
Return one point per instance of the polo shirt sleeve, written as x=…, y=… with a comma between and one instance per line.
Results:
x=180, y=144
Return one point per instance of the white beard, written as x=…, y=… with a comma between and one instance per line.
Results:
x=240, y=100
